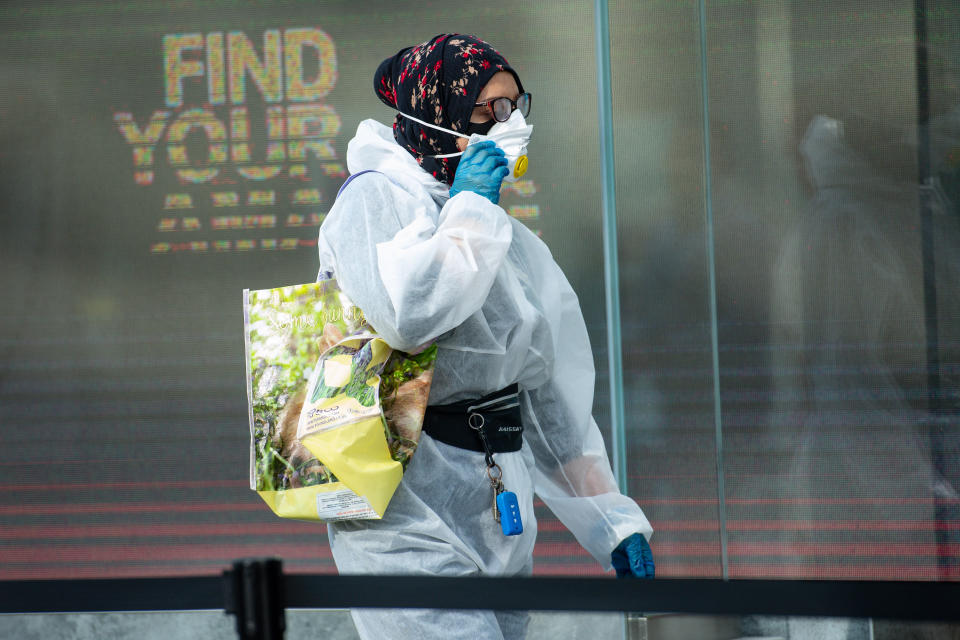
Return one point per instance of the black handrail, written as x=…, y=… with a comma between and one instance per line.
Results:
x=858, y=599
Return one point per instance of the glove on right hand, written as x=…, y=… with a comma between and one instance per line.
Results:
x=481, y=170
x=633, y=558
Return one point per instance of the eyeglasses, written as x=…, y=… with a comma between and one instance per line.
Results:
x=501, y=108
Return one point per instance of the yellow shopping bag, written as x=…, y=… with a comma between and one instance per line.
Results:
x=335, y=413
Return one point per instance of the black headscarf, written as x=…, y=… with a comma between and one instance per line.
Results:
x=437, y=81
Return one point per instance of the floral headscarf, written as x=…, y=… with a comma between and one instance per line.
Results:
x=437, y=81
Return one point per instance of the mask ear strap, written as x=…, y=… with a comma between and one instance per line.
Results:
x=433, y=126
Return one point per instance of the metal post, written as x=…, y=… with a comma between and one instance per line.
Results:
x=937, y=416
x=254, y=594
x=611, y=256
x=712, y=273
x=611, y=273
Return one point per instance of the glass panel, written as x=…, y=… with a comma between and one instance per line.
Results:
x=834, y=464
x=668, y=365
x=132, y=222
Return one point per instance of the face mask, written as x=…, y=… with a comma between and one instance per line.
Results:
x=483, y=128
x=511, y=136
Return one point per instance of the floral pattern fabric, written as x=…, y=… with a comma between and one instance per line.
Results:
x=437, y=81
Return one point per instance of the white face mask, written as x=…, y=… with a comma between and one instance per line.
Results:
x=511, y=136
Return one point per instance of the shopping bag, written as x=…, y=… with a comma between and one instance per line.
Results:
x=335, y=413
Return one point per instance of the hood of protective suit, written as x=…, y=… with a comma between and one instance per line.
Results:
x=373, y=148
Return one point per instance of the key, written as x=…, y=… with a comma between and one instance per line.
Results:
x=495, y=475
x=497, y=490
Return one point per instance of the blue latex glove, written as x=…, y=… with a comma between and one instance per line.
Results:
x=633, y=558
x=481, y=170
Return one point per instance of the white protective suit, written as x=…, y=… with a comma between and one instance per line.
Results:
x=424, y=266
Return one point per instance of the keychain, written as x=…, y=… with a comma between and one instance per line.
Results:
x=506, y=509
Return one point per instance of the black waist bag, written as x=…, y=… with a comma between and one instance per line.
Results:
x=502, y=422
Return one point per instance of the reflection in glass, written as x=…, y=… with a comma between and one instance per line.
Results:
x=829, y=465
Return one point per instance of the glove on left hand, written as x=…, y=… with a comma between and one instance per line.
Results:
x=481, y=170
x=633, y=558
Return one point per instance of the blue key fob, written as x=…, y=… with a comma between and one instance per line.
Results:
x=509, y=513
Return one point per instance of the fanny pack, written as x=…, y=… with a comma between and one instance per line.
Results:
x=501, y=419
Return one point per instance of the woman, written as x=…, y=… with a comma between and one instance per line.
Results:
x=417, y=241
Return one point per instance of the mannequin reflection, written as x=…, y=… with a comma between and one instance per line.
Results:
x=849, y=292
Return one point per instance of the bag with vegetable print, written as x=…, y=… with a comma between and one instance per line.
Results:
x=335, y=413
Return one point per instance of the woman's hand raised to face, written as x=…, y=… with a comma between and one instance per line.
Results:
x=481, y=170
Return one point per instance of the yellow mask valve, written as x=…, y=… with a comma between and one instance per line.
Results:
x=521, y=167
